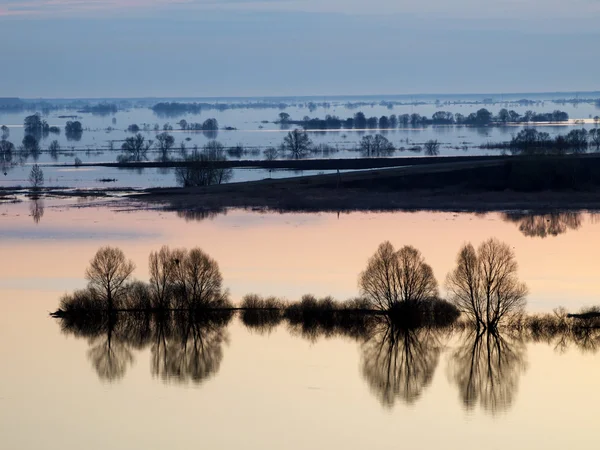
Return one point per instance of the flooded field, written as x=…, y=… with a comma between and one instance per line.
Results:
x=230, y=384
x=256, y=130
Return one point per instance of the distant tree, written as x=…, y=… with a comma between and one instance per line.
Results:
x=503, y=116
x=73, y=130
x=183, y=124
x=372, y=122
x=432, y=147
x=210, y=125
x=164, y=143
x=36, y=178
x=31, y=144
x=284, y=117
x=360, y=121
x=135, y=148
x=375, y=146
x=483, y=117
x=271, y=153
x=595, y=137
x=7, y=148
x=203, y=168
x=384, y=123
x=54, y=148
x=297, y=143
x=5, y=132
x=108, y=274
x=34, y=125
x=167, y=127
x=393, y=121
x=133, y=128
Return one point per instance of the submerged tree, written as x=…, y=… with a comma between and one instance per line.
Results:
x=108, y=274
x=484, y=285
x=164, y=143
x=377, y=145
x=204, y=167
x=297, y=143
x=36, y=178
x=432, y=147
x=135, y=149
x=395, y=277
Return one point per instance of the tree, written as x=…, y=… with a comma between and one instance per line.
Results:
x=198, y=281
x=108, y=274
x=34, y=125
x=5, y=132
x=133, y=128
x=31, y=144
x=54, y=148
x=164, y=143
x=360, y=121
x=484, y=285
x=135, y=148
x=595, y=137
x=162, y=266
x=377, y=145
x=503, y=116
x=7, y=148
x=183, y=124
x=432, y=147
x=394, y=277
x=270, y=153
x=284, y=117
x=204, y=168
x=36, y=178
x=73, y=130
x=297, y=143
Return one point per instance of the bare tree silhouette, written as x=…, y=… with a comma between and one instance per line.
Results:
x=110, y=357
x=395, y=277
x=108, y=274
x=486, y=367
x=36, y=208
x=484, y=285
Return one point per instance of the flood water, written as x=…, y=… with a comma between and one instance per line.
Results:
x=255, y=130
x=240, y=387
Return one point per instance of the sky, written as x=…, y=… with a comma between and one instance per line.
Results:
x=185, y=48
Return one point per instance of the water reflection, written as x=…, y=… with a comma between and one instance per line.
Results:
x=184, y=347
x=486, y=367
x=398, y=363
x=36, y=208
x=544, y=225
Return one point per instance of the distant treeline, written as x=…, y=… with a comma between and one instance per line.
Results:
x=482, y=117
x=530, y=140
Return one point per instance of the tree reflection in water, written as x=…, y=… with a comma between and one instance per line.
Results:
x=184, y=347
x=192, y=352
x=398, y=362
x=544, y=225
x=36, y=208
x=486, y=366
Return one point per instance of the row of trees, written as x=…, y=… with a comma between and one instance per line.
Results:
x=482, y=117
x=484, y=285
x=530, y=139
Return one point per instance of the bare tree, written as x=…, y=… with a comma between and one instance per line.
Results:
x=162, y=266
x=432, y=147
x=203, y=168
x=135, y=148
x=36, y=178
x=108, y=274
x=297, y=143
x=393, y=277
x=377, y=145
x=198, y=281
x=270, y=153
x=36, y=208
x=5, y=132
x=484, y=285
x=164, y=143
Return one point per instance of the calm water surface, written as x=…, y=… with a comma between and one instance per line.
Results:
x=286, y=388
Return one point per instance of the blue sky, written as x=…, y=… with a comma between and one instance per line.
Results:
x=133, y=48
